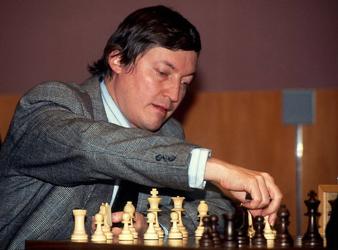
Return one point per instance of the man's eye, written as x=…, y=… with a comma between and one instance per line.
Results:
x=161, y=73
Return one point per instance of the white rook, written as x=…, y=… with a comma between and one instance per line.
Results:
x=79, y=233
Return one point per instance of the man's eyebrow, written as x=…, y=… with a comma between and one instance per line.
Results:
x=173, y=67
x=168, y=64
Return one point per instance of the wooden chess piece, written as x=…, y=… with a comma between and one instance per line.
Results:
x=312, y=237
x=105, y=211
x=79, y=233
x=98, y=235
x=283, y=237
x=230, y=237
x=258, y=239
x=151, y=233
x=214, y=231
x=126, y=234
x=251, y=230
x=332, y=226
x=269, y=233
x=202, y=212
x=174, y=232
x=154, y=202
x=130, y=209
x=178, y=207
x=206, y=239
x=242, y=225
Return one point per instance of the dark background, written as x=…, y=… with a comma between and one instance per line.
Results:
x=247, y=45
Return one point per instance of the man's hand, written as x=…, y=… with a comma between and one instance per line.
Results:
x=236, y=182
x=140, y=223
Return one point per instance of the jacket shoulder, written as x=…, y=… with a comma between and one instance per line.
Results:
x=67, y=95
x=172, y=128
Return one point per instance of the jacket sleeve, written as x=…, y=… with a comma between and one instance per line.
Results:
x=54, y=138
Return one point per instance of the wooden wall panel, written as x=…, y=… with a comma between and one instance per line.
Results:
x=246, y=128
x=7, y=107
x=321, y=144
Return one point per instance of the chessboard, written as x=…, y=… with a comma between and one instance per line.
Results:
x=241, y=230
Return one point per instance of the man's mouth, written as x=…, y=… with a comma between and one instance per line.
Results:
x=163, y=109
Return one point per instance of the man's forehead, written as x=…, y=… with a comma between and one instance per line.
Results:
x=174, y=59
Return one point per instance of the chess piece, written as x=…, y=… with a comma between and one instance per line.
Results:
x=206, y=239
x=98, y=235
x=105, y=211
x=178, y=207
x=202, y=212
x=130, y=209
x=214, y=231
x=251, y=230
x=283, y=237
x=151, y=233
x=230, y=239
x=269, y=233
x=312, y=237
x=175, y=242
x=126, y=234
x=154, y=201
x=258, y=239
x=79, y=233
x=174, y=232
x=242, y=225
x=332, y=225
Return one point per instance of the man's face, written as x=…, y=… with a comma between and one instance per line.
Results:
x=149, y=91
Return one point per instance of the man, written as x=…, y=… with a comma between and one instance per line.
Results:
x=70, y=145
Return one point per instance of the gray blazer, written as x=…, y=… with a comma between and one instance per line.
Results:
x=61, y=153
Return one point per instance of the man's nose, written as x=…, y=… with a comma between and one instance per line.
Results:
x=173, y=90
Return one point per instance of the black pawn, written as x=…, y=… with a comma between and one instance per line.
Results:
x=283, y=237
x=242, y=226
x=312, y=237
x=206, y=239
x=332, y=226
x=214, y=232
x=259, y=239
x=230, y=239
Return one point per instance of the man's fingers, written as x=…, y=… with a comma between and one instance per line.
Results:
x=276, y=197
x=116, y=217
x=272, y=219
x=264, y=191
x=140, y=223
x=116, y=230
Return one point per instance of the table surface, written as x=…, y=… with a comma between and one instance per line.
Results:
x=164, y=245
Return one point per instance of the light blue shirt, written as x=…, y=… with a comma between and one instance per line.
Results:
x=199, y=156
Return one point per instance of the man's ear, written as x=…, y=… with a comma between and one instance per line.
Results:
x=114, y=61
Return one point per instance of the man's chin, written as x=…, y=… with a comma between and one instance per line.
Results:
x=154, y=126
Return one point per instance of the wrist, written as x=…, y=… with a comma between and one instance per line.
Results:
x=213, y=170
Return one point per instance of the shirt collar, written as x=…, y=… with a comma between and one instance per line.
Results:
x=113, y=112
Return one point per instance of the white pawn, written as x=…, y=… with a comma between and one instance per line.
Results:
x=151, y=233
x=202, y=212
x=126, y=234
x=98, y=235
x=174, y=232
x=79, y=233
x=130, y=209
